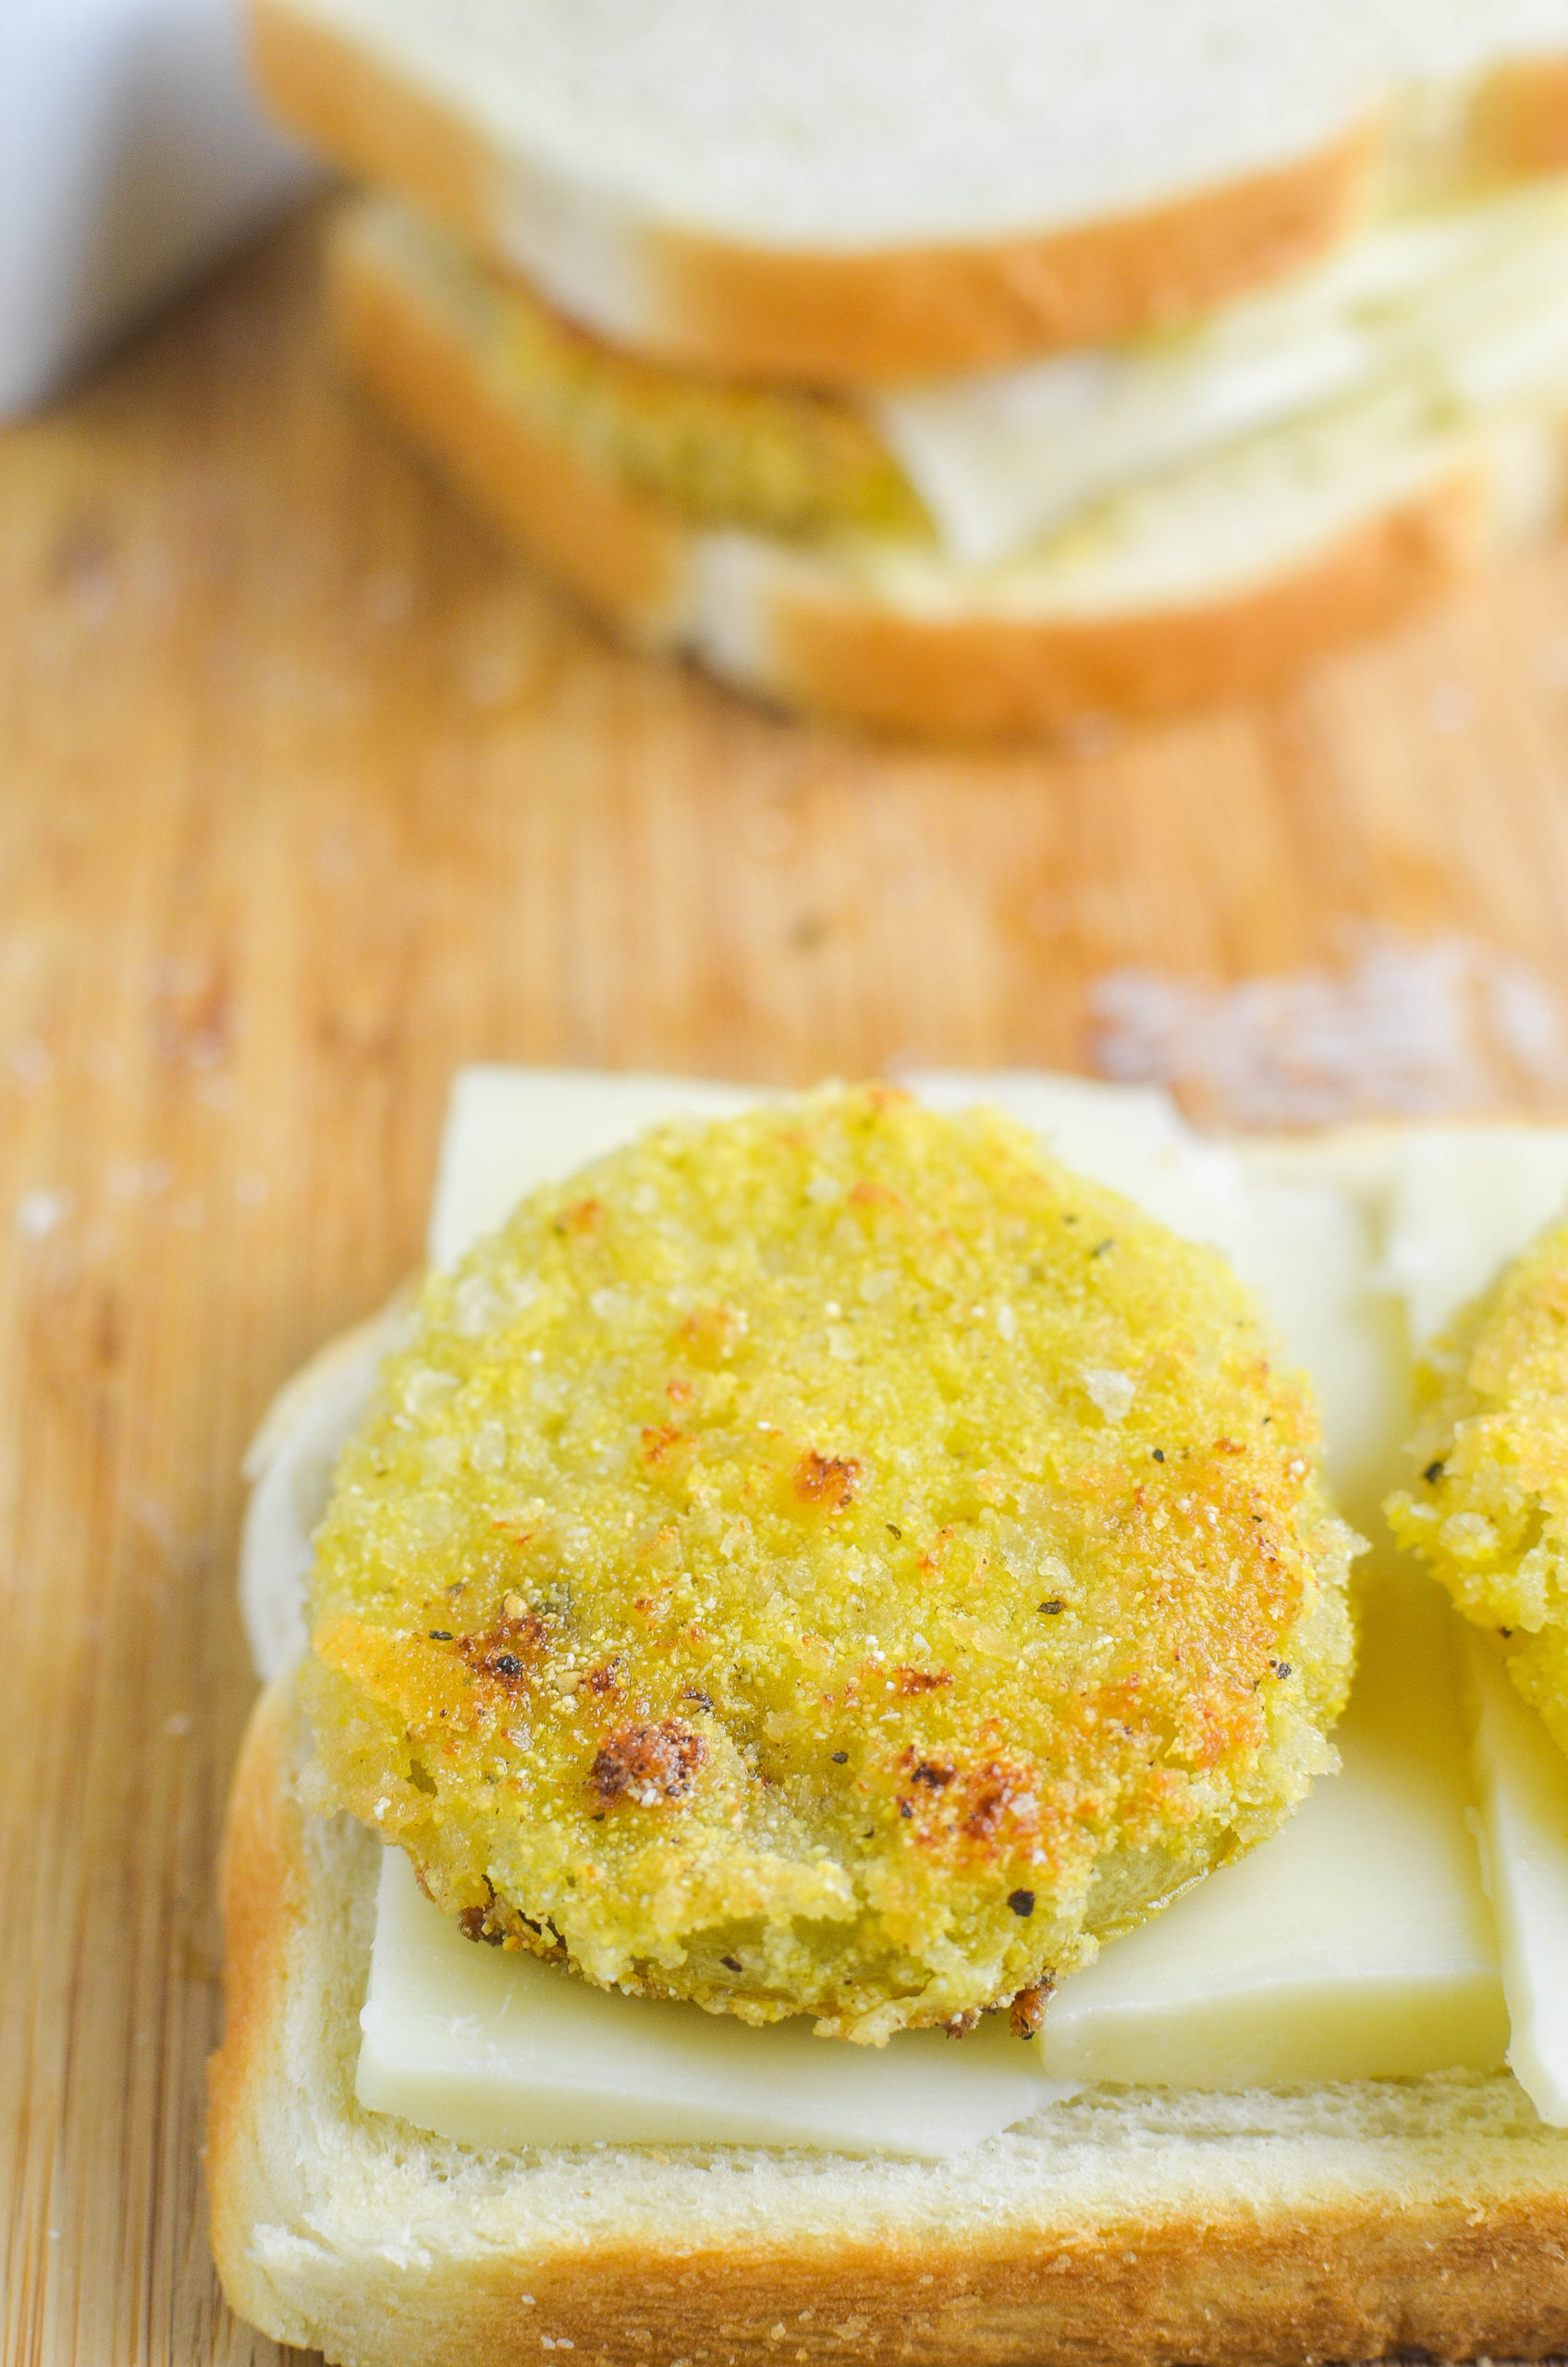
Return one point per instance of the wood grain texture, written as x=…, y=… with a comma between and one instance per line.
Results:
x=307, y=794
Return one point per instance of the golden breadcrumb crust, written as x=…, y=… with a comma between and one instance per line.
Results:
x=832, y=1559
x=1392, y=2217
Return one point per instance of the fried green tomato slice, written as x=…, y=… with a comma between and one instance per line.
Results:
x=1488, y=1514
x=784, y=460
x=831, y=1560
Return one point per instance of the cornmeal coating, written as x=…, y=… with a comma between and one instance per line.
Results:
x=1489, y=1515
x=835, y=1560
x=785, y=460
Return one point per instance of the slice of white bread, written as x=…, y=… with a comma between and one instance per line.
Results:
x=803, y=190
x=1127, y=2228
x=1217, y=582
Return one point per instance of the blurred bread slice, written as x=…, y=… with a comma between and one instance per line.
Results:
x=1217, y=581
x=800, y=189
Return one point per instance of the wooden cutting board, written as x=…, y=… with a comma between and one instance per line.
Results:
x=308, y=793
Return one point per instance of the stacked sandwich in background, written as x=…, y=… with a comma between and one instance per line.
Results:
x=964, y=368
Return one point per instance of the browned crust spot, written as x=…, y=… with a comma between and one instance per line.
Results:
x=911, y=1681
x=827, y=1481
x=660, y=1440
x=649, y=1766
x=1027, y=2016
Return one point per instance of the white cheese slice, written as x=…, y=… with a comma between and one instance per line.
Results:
x=1465, y=1199
x=1468, y=307
x=497, y=2049
x=1524, y=1786
x=1357, y=1943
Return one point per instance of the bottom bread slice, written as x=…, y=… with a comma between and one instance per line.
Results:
x=1217, y=582
x=1129, y=2226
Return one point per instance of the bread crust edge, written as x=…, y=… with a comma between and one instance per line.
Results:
x=260, y=1883
x=828, y=318
x=832, y=319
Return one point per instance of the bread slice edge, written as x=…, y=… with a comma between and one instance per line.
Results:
x=812, y=315
x=1130, y=2228
x=838, y=318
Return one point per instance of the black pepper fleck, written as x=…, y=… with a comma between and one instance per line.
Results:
x=440, y=1635
x=1433, y=1472
x=841, y=1759
x=1021, y=1901
x=1052, y=1606
x=507, y=1664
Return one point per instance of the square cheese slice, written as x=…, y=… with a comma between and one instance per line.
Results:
x=1355, y=1944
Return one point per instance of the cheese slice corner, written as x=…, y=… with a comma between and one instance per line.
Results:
x=1355, y=1944
x=496, y=2049
x=1523, y=1781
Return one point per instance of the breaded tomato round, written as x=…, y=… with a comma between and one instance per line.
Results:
x=1488, y=1514
x=832, y=1561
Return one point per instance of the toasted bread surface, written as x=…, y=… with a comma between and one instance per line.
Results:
x=1133, y=2228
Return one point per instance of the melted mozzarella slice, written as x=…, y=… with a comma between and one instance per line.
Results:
x=497, y=2049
